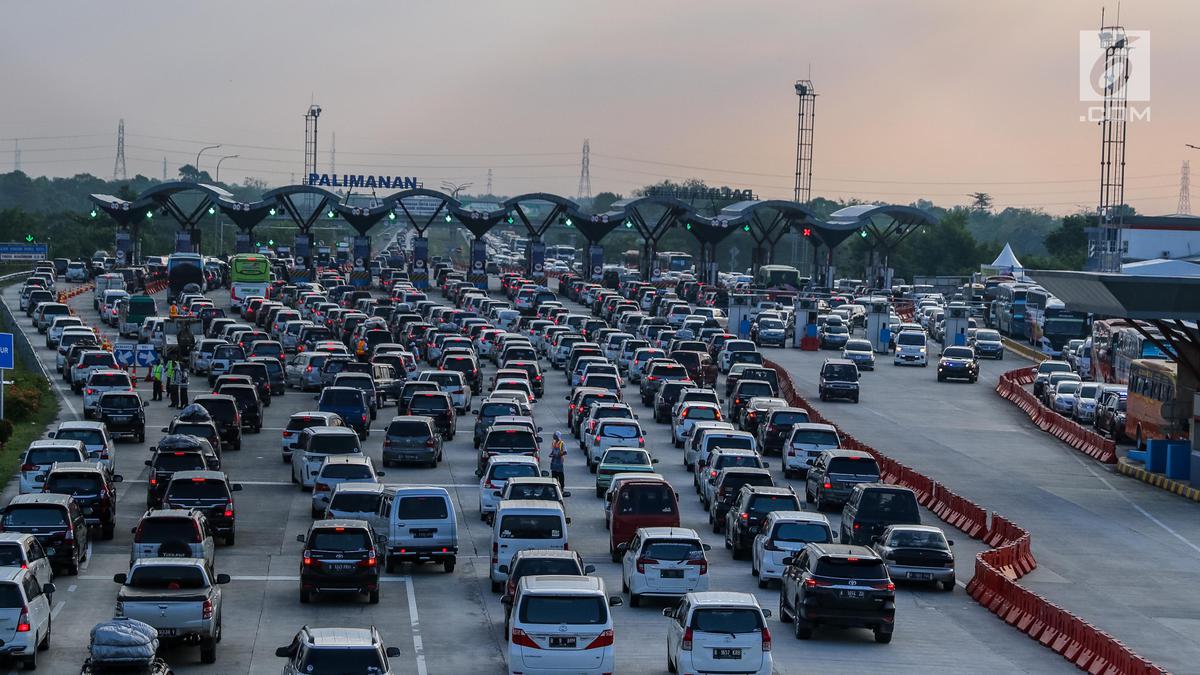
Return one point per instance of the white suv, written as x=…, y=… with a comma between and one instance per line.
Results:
x=911, y=348
x=25, y=616
x=561, y=623
x=718, y=631
x=663, y=561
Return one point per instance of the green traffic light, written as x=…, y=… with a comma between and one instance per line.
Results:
x=270, y=242
x=448, y=218
x=93, y=213
x=272, y=211
x=211, y=210
x=688, y=226
x=862, y=233
x=568, y=222
x=392, y=215
x=510, y=220
x=745, y=228
x=29, y=238
x=149, y=215
x=628, y=223
x=330, y=214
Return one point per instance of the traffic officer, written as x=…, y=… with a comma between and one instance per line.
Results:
x=172, y=390
x=156, y=376
x=558, y=451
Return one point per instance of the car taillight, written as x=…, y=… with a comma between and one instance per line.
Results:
x=229, y=510
x=207, y=609
x=597, y=438
x=69, y=535
x=889, y=586
x=495, y=553
x=642, y=562
x=701, y=563
x=686, y=643
x=23, y=621
x=766, y=639
x=320, y=487
x=815, y=583
x=370, y=560
x=522, y=639
x=604, y=639
x=29, y=467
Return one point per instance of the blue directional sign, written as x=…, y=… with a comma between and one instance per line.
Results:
x=146, y=355
x=123, y=352
x=6, y=351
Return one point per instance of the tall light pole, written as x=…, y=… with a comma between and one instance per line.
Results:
x=217, y=175
x=455, y=188
x=217, y=213
x=202, y=151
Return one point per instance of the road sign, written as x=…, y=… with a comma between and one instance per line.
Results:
x=146, y=355
x=6, y=351
x=123, y=352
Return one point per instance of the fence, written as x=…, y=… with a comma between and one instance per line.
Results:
x=24, y=350
x=997, y=569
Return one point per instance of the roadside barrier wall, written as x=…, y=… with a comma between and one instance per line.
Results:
x=994, y=584
x=1011, y=387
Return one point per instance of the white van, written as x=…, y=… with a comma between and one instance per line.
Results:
x=417, y=524
x=911, y=348
x=521, y=524
x=807, y=442
x=561, y=624
x=105, y=283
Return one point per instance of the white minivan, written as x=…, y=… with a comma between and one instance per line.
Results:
x=499, y=469
x=521, y=524
x=718, y=632
x=807, y=442
x=911, y=346
x=561, y=624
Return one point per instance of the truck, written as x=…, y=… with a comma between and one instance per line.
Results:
x=178, y=597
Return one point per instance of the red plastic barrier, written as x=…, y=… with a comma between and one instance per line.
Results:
x=1011, y=387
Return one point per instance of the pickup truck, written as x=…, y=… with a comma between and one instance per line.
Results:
x=178, y=597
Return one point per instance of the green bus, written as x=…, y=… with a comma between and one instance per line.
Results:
x=134, y=312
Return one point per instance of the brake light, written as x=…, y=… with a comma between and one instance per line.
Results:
x=766, y=639
x=597, y=438
x=495, y=553
x=23, y=621
x=604, y=639
x=815, y=583
x=29, y=467
x=207, y=609
x=642, y=562
x=686, y=643
x=522, y=639
x=889, y=586
x=701, y=563
x=320, y=487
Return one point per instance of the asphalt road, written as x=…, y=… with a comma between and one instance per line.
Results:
x=453, y=623
x=1117, y=552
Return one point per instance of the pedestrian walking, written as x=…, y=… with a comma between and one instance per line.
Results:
x=172, y=389
x=558, y=451
x=710, y=373
x=156, y=382
x=181, y=376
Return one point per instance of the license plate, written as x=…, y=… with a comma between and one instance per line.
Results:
x=166, y=632
x=87, y=510
x=727, y=653
x=853, y=594
x=422, y=534
x=919, y=576
x=671, y=574
x=121, y=418
x=558, y=642
x=341, y=567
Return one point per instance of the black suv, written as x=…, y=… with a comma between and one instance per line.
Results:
x=746, y=515
x=123, y=414
x=339, y=556
x=838, y=585
x=210, y=493
x=727, y=488
x=834, y=474
x=871, y=507
x=92, y=488
x=224, y=412
x=435, y=404
x=249, y=404
x=776, y=428
x=839, y=379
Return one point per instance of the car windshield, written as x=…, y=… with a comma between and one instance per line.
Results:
x=987, y=336
x=673, y=550
x=342, y=660
x=301, y=423
x=531, y=526
x=334, y=444
x=87, y=436
x=179, y=461
x=408, y=428
x=172, y=577
x=1053, y=367
x=201, y=430
x=646, y=500
x=853, y=465
x=789, y=417
x=620, y=431
x=911, y=338
x=197, y=489
x=109, y=380
x=346, y=471
x=1068, y=387
x=841, y=372
x=498, y=409
x=918, y=539
x=849, y=568
x=755, y=388
x=563, y=610
x=731, y=460
x=802, y=532
x=537, y=566
x=52, y=455
x=73, y=483
x=630, y=457
x=121, y=402
x=354, y=502
x=340, y=539
x=429, y=507
x=534, y=491
x=767, y=503
x=506, y=470
x=162, y=530
x=35, y=516
x=958, y=353
x=726, y=620
x=702, y=412
x=889, y=504
x=429, y=403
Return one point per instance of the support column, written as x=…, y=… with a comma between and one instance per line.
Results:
x=418, y=272
x=243, y=241
x=360, y=259
x=124, y=247
x=535, y=253
x=477, y=272
x=595, y=262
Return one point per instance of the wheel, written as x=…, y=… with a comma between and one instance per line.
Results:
x=737, y=552
x=803, y=629
x=496, y=586
x=753, y=569
x=72, y=568
x=635, y=600
x=763, y=583
x=882, y=637
x=373, y=597
x=305, y=597
x=855, y=398
x=230, y=539
x=599, y=491
x=941, y=378
x=208, y=650
x=448, y=565
x=716, y=527
x=107, y=531
x=29, y=662
x=678, y=443
x=624, y=584
x=591, y=467
x=238, y=446
x=948, y=586
x=616, y=556
x=142, y=435
x=784, y=617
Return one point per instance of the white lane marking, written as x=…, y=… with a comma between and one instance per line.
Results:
x=1144, y=512
x=71, y=588
x=418, y=646
x=57, y=608
x=84, y=565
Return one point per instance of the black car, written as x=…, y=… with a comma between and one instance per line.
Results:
x=776, y=428
x=224, y=412
x=412, y=439
x=958, y=363
x=249, y=404
x=871, y=507
x=258, y=372
x=834, y=474
x=487, y=413
x=727, y=487
x=748, y=512
x=57, y=523
x=839, y=379
x=837, y=585
x=123, y=414
x=339, y=556
x=92, y=488
x=435, y=404
x=666, y=397
x=210, y=493
x=178, y=453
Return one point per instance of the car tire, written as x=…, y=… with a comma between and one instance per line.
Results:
x=230, y=539
x=736, y=552
x=72, y=568
x=615, y=555
x=448, y=566
x=803, y=629
x=635, y=600
x=29, y=662
x=784, y=617
x=142, y=435
x=882, y=637
x=496, y=586
x=373, y=597
x=948, y=586
x=671, y=668
x=305, y=597
x=807, y=496
x=208, y=650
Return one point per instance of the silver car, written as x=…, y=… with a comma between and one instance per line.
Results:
x=99, y=382
x=917, y=553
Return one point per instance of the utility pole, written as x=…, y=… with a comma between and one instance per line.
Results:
x=119, y=164
x=1185, y=189
x=164, y=169
x=16, y=154
x=489, y=185
x=333, y=153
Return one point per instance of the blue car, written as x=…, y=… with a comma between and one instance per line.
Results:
x=350, y=403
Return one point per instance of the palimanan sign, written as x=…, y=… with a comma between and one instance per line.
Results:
x=363, y=181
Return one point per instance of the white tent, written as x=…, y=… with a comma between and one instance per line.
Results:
x=1005, y=263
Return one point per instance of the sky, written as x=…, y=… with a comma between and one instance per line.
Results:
x=920, y=99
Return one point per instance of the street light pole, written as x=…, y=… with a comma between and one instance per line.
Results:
x=217, y=214
x=217, y=175
x=202, y=150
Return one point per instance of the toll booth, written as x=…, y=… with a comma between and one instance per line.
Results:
x=804, y=335
x=879, y=330
x=958, y=318
x=741, y=313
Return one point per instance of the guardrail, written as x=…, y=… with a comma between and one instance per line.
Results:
x=997, y=569
x=24, y=350
x=1011, y=387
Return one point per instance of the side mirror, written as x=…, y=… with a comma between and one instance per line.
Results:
x=164, y=430
x=950, y=542
x=118, y=478
x=145, y=404
x=668, y=612
x=654, y=460
x=566, y=398
x=875, y=539
x=119, y=578
x=788, y=560
x=503, y=569
x=622, y=547
x=300, y=538
x=568, y=520
x=615, y=601
x=476, y=412
x=151, y=450
x=589, y=569
x=392, y=652
x=567, y=493
x=380, y=473
x=478, y=473
x=51, y=434
x=223, y=579
x=236, y=487
x=539, y=429
x=48, y=589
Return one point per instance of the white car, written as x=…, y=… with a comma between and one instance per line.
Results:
x=718, y=632
x=41, y=455
x=807, y=442
x=612, y=433
x=724, y=357
x=691, y=445
x=28, y=606
x=499, y=469
x=77, y=272
x=911, y=349
x=561, y=624
x=56, y=329
x=452, y=382
x=783, y=534
x=101, y=381
x=95, y=439
x=340, y=470
x=688, y=415
x=318, y=444
x=663, y=562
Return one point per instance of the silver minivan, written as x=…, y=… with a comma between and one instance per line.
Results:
x=521, y=524
x=416, y=524
x=41, y=455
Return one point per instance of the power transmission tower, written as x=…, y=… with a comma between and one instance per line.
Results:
x=489, y=185
x=16, y=154
x=333, y=153
x=1185, y=189
x=804, y=140
x=585, y=176
x=164, y=169
x=119, y=164
x=310, y=140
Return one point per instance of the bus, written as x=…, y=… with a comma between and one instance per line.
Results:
x=779, y=276
x=1051, y=325
x=561, y=253
x=184, y=269
x=1008, y=309
x=1129, y=345
x=1160, y=401
x=674, y=261
x=249, y=275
